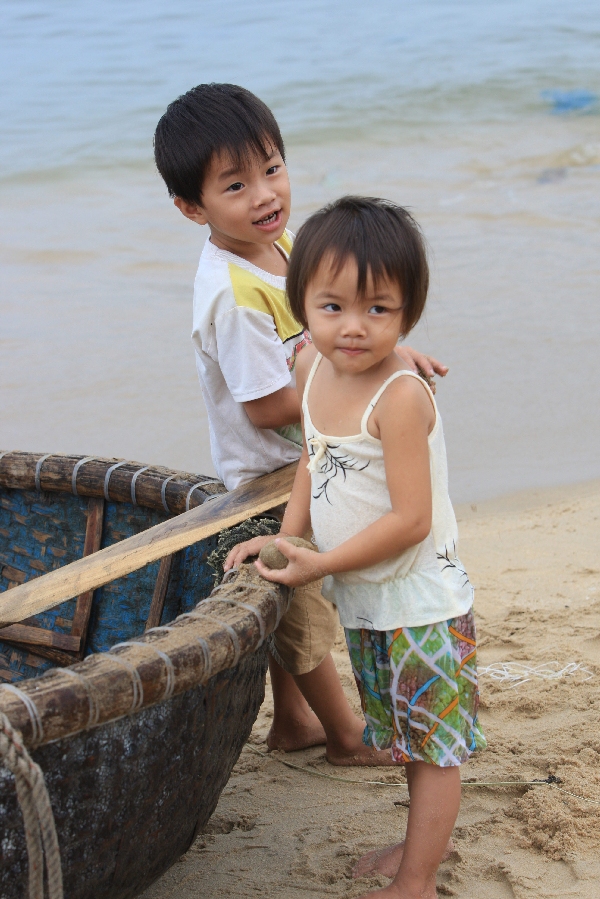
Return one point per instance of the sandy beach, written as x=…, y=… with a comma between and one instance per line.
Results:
x=483, y=119
x=281, y=832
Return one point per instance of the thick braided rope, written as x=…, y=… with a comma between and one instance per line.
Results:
x=37, y=813
x=33, y=838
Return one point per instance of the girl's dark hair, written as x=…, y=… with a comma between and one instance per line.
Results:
x=211, y=119
x=383, y=239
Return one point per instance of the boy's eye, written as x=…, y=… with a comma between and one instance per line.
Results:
x=237, y=185
x=272, y=169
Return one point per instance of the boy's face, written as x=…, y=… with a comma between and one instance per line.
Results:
x=243, y=205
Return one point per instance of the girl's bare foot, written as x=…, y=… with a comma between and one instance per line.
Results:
x=380, y=861
x=386, y=861
x=397, y=892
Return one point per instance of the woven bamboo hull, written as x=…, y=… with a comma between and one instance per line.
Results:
x=128, y=797
x=135, y=741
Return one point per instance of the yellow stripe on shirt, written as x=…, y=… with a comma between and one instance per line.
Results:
x=252, y=292
x=285, y=242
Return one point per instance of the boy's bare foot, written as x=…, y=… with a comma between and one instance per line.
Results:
x=296, y=735
x=386, y=861
x=360, y=756
x=289, y=735
x=349, y=750
x=311, y=733
x=301, y=703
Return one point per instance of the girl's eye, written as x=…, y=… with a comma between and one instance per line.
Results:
x=378, y=310
x=332, y=307
x=272, y=169
x=236, y=186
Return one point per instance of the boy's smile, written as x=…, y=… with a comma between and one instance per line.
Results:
x=247, y=206
x=269, y=222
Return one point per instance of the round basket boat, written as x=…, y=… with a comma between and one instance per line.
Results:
x=135, y=700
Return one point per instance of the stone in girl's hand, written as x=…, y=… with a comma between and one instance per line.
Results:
x=273, y=558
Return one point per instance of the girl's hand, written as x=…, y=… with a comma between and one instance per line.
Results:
x=241, y=551
x=428, y=365
x=304, y=565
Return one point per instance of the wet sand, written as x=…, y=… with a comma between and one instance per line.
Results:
x=277, y=832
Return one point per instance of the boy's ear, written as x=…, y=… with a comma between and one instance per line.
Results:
x=191, y=211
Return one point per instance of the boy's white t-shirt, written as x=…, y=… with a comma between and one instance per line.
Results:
x=246, y=342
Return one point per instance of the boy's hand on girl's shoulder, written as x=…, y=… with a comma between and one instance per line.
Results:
x=242, y=551
x=422, y=364
x=304, y=566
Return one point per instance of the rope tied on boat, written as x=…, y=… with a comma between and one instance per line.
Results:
x=34, y=802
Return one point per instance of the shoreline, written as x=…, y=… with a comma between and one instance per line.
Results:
x=527, y=498
x=532, y=557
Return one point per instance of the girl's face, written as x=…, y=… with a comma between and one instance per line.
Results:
x=354, y=332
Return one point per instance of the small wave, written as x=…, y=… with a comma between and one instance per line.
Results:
x=49, y=257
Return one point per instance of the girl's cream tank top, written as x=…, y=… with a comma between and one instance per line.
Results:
x=422, y=585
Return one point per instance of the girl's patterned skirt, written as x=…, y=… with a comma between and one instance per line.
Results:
x=418, y=689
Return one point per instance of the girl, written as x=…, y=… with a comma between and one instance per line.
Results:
x=372, y=481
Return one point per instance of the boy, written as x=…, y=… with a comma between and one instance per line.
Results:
x=221, y=155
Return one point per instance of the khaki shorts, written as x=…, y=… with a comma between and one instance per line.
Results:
x=307, y=631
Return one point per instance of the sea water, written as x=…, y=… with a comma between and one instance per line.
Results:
x=482, y=117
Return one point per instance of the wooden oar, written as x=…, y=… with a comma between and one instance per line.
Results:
x=122, y=558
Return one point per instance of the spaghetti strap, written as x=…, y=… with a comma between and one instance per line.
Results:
x=397, y=374
x=309, y=380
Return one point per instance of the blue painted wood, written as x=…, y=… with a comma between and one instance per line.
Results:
x=41, y=531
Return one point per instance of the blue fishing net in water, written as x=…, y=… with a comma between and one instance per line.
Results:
x=570, y=101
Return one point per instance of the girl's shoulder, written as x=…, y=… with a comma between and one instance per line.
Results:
x=406, y=398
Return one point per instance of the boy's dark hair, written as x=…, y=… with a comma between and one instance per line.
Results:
x=210, y=119
x=383, y=238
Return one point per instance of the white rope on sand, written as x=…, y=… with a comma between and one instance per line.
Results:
x=518, y=673
x=40, y=831
x=550, y=781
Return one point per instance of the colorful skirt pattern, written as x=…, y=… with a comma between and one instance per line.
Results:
x=418, y=690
